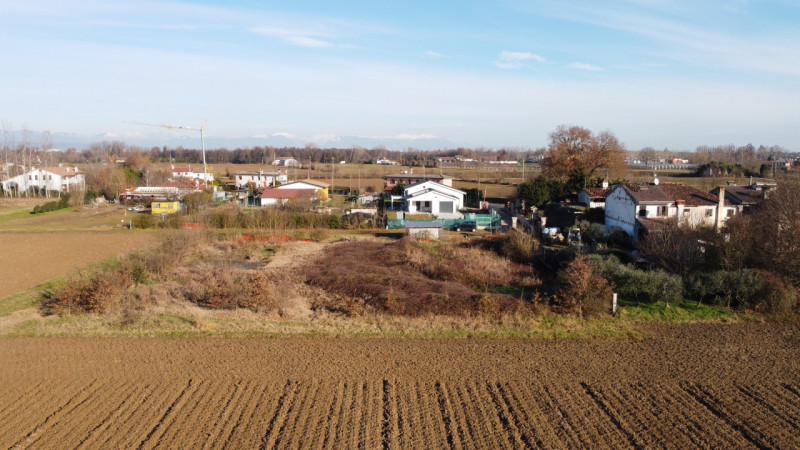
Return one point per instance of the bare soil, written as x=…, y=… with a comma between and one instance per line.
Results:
x=686, y=385
x=29, y=259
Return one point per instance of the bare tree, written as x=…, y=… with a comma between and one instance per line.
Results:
x=576, y=147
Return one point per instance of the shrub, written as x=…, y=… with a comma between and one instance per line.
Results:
x=88, y=293
x=776, y=295
x=230, y=289
x=647, y=286
x=518, y=246
x=733, y=289
x=144, y=221
x=582, y=289
x=334, y=222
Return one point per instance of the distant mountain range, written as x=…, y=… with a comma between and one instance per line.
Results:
x=63, y=141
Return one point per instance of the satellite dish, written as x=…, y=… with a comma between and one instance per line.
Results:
x=655, y=179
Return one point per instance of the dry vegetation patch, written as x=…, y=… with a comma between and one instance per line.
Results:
x=412, y=279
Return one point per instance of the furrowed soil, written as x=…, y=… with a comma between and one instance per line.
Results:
x=684, y=385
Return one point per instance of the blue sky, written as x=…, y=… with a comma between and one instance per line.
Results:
x=661, y=73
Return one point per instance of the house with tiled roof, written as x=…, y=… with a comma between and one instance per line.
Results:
x=746, y=197
x=640, y=208
x=59, y=178
x=699, y=208
x=277, y=196
x=410, y=178
x=192, y=173
x=593, y=197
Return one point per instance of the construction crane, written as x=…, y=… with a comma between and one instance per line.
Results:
x=181, y=127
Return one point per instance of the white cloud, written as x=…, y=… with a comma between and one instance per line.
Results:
x=432, y=54
x=298, y=37
x=584, y=66
x=319, y=138
x=283, y=134
x=415, y=136
x=515, y=60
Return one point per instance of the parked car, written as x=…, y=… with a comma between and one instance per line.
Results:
x=467, y=225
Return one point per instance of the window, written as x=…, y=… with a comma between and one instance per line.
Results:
x=663, y=210
x=643, y=212
x=709, y=213
x=731, y=213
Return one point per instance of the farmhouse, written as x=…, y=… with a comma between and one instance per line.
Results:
x=434, y=198
x=697, y=208
x=192, y=173
x=639, y=208
x=411, y=178
x=260, y=179
x=60, y=178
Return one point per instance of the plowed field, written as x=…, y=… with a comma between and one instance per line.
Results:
x=687, y=385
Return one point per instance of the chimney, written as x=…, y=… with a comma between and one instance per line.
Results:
x=720, y=207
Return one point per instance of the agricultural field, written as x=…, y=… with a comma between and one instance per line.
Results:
x=687, y=385
x=38, y=248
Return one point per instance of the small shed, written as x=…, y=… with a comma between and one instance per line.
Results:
x=423, y=229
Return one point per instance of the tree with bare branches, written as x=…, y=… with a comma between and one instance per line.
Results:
x=577, y=147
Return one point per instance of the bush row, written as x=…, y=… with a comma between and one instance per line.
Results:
x=61, y=203
x=744, y=289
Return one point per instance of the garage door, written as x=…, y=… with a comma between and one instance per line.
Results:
x=446, y=207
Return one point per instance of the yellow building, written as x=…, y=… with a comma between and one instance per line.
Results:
x=165, y=207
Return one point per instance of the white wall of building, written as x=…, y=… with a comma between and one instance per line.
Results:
x=620, y=210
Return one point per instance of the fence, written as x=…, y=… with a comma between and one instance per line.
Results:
x=481, y=220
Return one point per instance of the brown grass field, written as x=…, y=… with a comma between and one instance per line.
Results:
x=685, y=385
x=33, y=258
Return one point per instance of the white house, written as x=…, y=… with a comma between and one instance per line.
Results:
x=192, y=174
x=638, y=208
x=434, y=198
x=276, y=196
x=260, y=179
x=625, y=203
x=697, y=208
x=307, y=184
x=60, y=178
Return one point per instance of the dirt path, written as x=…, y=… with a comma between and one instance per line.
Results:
x=687, y=385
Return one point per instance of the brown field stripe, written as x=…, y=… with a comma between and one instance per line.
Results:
x=612, y=415
x=336, y=413
x=758, y=399
x=60, y=412
x=712, y=404
x=290, y=390
x=445, y=411
x=174, y=406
